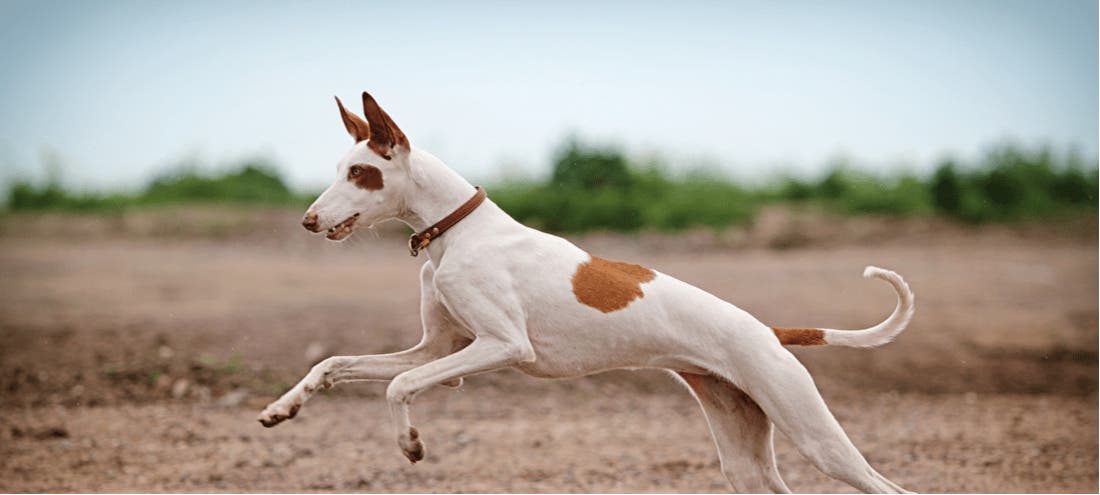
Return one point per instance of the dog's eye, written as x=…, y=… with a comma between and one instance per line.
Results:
x=356, y=170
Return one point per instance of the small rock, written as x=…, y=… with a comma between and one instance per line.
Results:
x=202, y=393
x=315, y=352
x=233, y=399
x=179, y=389
x=165, y=352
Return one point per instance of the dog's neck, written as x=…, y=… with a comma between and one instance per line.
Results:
x=437, y=192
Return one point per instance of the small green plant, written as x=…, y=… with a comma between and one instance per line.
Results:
x=233, y=365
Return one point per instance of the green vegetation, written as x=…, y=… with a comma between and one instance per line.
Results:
x=234, y=364
x=250, y=182
x=597, y=188
x=594, y=187
x=1008, y=184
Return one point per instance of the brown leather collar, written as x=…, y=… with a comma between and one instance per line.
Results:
x=420, y=240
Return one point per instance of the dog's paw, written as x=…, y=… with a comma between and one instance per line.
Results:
x=277, y=413
x=411, y=445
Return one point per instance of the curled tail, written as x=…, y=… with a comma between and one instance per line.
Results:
x=875, y=336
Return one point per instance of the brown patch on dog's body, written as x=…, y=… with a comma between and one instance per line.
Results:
x=609, y=285
x=366, y=177
x=800, y=336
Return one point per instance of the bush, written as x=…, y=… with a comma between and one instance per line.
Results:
x=600, y=188
x=1012, y=183
x=946, y=189
x=250, y=182
x=700, y=201
x=25, y=196
x=586, y=168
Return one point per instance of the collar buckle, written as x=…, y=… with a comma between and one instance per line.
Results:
x=421, y=240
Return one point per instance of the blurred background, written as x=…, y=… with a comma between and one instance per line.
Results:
x=157, y=291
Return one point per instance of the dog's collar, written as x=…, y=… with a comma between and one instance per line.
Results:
x=420, y=240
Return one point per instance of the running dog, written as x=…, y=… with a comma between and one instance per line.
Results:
x=497, y=294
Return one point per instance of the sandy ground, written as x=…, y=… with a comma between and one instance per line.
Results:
x=138, y=363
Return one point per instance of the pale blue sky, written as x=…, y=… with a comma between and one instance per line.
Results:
x=120, y=89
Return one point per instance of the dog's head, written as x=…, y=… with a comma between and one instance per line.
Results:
x=371, y=179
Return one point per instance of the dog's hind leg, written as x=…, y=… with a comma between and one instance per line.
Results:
x=786, y=393
x=742, y=433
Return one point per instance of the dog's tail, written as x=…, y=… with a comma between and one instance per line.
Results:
x=875, y=336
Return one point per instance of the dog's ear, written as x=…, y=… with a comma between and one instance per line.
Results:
x=386, y=138
x=358, y=129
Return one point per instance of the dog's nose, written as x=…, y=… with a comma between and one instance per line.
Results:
x=310, y=222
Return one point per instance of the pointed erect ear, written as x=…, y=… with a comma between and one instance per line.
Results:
x=386, y=138
x=358, y=129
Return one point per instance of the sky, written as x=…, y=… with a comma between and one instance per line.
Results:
x=116, y=91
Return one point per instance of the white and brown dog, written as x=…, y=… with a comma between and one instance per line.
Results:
x=496, y=294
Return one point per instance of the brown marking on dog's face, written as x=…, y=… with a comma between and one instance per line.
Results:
x=365, y=177
x=800, y=336
x=609, y=285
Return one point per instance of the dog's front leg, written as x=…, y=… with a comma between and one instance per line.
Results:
x=481, y=303
x=339, y=369
x=439, y=339
x=484, y=354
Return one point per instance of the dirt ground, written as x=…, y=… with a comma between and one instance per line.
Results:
x=136, y=352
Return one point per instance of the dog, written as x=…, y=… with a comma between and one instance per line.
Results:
x=497, y=294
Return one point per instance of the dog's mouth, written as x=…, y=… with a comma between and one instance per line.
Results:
x=343, y=229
